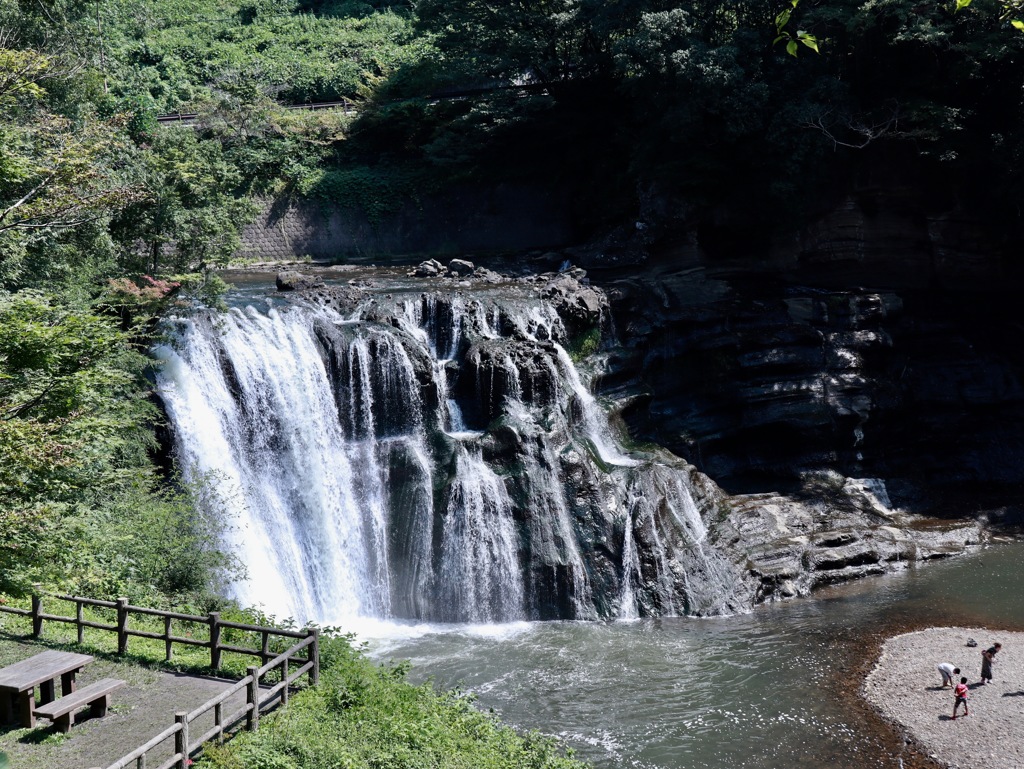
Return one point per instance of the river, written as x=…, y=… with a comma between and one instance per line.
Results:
x=361, y=494
x=773, y=688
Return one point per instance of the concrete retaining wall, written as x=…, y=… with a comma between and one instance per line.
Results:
x=496, y=219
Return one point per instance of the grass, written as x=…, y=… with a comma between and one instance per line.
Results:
x=149, y=652
x=361, y=716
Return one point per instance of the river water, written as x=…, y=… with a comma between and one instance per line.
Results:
x=252, y=400
x=773, y=688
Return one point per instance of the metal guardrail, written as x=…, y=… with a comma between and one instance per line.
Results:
x=345, y=105
x=349, y=106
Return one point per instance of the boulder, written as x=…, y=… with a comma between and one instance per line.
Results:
x=429, y=269
x=488, y=276
x=579, y=306
x=292, y=280
x=460, y=268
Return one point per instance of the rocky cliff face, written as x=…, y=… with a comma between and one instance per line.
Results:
x=878, y=345
x=837, y=395
x=773, y=394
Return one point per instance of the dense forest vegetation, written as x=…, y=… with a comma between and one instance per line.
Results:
x=741, y=114
x=743, y=117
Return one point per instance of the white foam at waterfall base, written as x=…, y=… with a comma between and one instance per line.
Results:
x=385, y=635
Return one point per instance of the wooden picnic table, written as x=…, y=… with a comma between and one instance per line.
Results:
x=18, y=682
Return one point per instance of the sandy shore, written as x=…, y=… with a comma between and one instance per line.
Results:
x=905, y=687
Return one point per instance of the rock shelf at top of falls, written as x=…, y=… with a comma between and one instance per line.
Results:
x=431, y=449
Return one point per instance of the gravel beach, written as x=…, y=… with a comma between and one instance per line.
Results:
x=906, y=689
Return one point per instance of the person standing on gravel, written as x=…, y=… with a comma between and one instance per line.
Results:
x=947, y=671
x=987, y=658
x=960, y=693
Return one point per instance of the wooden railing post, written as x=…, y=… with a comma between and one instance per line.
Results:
x=252, y=696
x=168, y=651
x=314, y=655
x=215, y=640
x=181, y=740
x=218, y=721
x=37, y=610
x=265, y=648
x=122, y=625
x=79, y=620
x=284, y=681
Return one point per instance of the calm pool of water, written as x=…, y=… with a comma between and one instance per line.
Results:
x=759, y=690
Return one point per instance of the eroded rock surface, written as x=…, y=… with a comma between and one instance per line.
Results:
x=824, y=528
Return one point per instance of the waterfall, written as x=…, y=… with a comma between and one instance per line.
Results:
x=630, y=573
x=479, y=572
x=430, y=457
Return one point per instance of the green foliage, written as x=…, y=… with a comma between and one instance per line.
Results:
x=1011, y=11
x=183, y=51
x=80, y=150
x=363, y=715
x=378, y=192
x=190, y=215
x=585, y=344
x=180, y=559
x=792, y=40
x=76, y=480
x=72, y=424
x=691, y=100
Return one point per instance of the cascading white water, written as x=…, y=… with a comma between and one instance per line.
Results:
x=429, y=457
x=252, y=404
x=630, y=573
x=479, y=554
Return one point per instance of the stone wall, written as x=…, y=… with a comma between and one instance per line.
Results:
x=496, y=219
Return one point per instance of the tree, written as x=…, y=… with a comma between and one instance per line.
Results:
x=73, y=419
x=56, y=172
x=1011, y=11
x=191, y=209
x=546, y=42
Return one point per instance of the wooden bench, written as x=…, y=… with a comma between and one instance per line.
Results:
x=18, y=683
x=97, y=695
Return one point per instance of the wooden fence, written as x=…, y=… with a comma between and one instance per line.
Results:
x=186, y=746
x=124, y=610
x=305, y=653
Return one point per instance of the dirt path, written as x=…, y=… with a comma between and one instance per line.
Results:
x=139, y=711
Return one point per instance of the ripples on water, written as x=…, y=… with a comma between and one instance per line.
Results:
x=756, y=691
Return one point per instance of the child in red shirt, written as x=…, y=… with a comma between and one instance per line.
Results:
x=960, y=692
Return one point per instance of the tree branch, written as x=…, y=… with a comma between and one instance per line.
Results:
x=865, y=133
